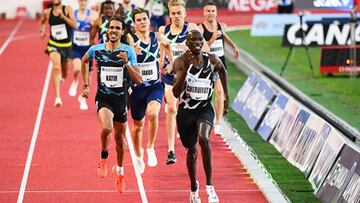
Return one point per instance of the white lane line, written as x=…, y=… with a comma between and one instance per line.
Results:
x=114, y=191
x=8, y=40
x=133, y=159
x=35, y=134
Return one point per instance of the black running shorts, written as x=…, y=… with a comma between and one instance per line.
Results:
x=116, y=104
x=188, y=122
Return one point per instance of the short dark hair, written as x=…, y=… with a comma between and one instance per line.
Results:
x=209, y=3
x=117, y=19
x=138, y=11
x=106, y=2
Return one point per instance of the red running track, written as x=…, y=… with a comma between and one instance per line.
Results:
x=63, y=167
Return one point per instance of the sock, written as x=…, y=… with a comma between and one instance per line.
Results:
x=120, y=170
x=104, y=154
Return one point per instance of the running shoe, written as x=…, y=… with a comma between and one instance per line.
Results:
x=171, y=158
x=102, y=169
x=218, y=129
x=212, y=196
x=58, y=102
x=194, y=196
x=120, y=181
x=83, y=104
x=73, y=89
x=152, y=160
x=139, y=165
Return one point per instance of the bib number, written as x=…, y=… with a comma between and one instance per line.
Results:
x=198, y=88
x=148, y=71
x=59, y=32
x=82, y=38
x=217, y=48
x=112, y=77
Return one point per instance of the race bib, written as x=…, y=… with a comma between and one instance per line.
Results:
x=157, y=9
x=198, y=88
x=82, y=38
x=176, y=51
x=148, y=71
x=112, y=77
x=59, y=32
x=217, y=48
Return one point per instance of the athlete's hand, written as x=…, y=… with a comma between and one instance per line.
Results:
x=123, y=56
x=42, y=31
x=189, y=58
x=137, y=49
x=86, y=91
x=236, y=52
x=216, y=34
x=226, y=105
x=168, y=69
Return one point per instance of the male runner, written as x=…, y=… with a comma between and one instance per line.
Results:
x=214, y=33
x=116, y=64
x=61, y=21
x=81, y=43
x=176, y=33
x=194, y=84
x=147, y=97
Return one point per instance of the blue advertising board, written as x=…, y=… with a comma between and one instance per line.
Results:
x=244, y=92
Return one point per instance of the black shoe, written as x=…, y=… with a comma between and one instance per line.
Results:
x=171, y=158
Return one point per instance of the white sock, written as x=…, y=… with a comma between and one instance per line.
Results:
x=119, y=170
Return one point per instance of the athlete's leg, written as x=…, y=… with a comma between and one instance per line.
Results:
x=65, y=68
x=191, y=158
x=76, y=62
x=219, y=102
x=77, y=67
x=137, y=133
x=119, y=136
x=55, y=58
x=204, y=142
x=106, y=120
x=153, y=109
x=170, y=122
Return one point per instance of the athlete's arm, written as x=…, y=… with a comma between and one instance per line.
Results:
x=229, y=41
x=220, y=68
x=43, y=20
x=181, y=66
x=93, y=16
x=85, y=75
x=94, y=30
x=68, y=17
x=132, y=68
x=193, y=26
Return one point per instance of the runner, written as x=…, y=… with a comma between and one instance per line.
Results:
x=147, y=97
x=214, y=33
x=113, y=59
x=176, y=33
x=81, y=43
x=61, y=20
x=194, y=84
x=107, y=9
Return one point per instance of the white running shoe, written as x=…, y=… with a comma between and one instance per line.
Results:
x=58, y=102
x=194, y=196
x=139, y=165
x=212, y=196
x=73, y=89
x=217, y=129
x=83, y=104
x=152, y=160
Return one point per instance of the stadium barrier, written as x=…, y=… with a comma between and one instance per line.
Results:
x=307, y=135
